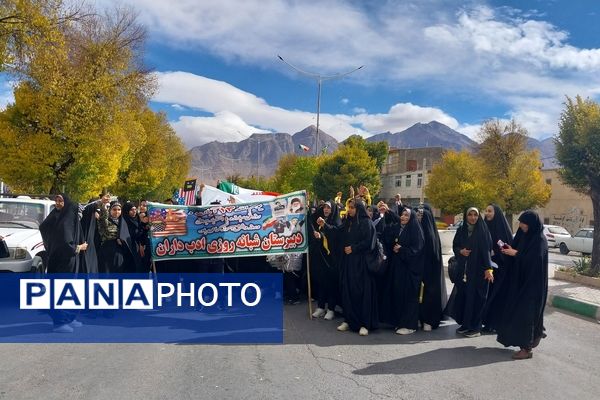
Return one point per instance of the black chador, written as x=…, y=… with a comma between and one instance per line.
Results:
x=499, y=231
x=137, y=235
x=400, y=305
x=469, y=294
x=61, y=233
x=527, y=279
x=327, y=254
x=358, y=291
x=434, y=283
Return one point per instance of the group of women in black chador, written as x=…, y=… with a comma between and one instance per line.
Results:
x=409, y=291
x=500, y=282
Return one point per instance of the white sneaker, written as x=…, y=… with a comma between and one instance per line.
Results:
x=66, y=328
x=330, y=315
x=427, y=327
x=343, y=327
x=363, y=331
x=319, y=312
x=405, y=331
x=76, y=324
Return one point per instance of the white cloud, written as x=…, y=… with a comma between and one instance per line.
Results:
x=359, y=110
x=178, y=107
x=237, y=114
x=344, y=101
x=467, y=48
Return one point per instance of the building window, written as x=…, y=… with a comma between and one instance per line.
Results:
x=398, y=181
x=407, y=181
x=419, y=180
x=549, y=181
x=411, y=165
x=546, y=221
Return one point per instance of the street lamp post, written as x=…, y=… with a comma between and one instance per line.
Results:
x=320, y=79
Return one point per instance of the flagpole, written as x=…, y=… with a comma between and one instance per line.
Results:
x=309, y=286
x=320, y=79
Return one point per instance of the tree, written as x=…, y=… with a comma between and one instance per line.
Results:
x=296, y=173
x=578, y=152
x=74, y=122
x=378, y=151
x=457, y=182
x=348, y=165
x=159, y=162
x=511, y=171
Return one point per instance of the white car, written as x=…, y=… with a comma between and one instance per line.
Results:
x=582, y=242
x=20, y=219
x=555, y=234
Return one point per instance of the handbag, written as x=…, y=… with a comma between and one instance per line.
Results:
x=376, y=257
x=455, y=270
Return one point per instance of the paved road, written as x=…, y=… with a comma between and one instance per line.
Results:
x=315, y=362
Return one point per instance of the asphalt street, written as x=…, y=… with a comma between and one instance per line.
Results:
x=315, y=362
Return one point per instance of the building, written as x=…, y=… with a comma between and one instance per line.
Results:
x=406, y=170
x=566, y=208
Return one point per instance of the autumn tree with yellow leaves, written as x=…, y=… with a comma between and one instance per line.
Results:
x=501, y=170
x=80, y=121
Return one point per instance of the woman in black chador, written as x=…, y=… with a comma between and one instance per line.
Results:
x=472, y=246
x=327, y=256
x=400, y=305
x=434, y=283
x=137, y=234
x=117, y=245
x=501, y=233
x=527, y=279
x=357, y=286
x=61, y=233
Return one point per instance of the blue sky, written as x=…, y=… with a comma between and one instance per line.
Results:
x=458, y=62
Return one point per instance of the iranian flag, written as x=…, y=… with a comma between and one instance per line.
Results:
x=303, y=147
x=228, y=193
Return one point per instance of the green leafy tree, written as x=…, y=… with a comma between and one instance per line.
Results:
x=511, y=171
x=578, y=152
x=348, y=165
x=457, y=182
x=378, y=151
x=296, y=173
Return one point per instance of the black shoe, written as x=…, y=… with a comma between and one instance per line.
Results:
x=472, y=334
x=462, y=330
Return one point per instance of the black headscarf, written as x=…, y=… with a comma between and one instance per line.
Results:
x=499, y=228
x=333, y=218
x=411, y=232
x=133, y=224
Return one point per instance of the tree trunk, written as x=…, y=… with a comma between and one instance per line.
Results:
x=595, y=267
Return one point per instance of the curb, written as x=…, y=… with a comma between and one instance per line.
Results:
x=575, y=306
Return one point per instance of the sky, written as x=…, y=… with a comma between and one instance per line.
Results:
x=458, y=62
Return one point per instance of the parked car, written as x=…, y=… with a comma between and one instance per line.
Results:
x=20, y=219
x=582, y=242
x=455, y=226
x=555, y=234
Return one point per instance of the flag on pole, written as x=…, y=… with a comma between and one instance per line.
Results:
x=303, y=147
x=186, y=196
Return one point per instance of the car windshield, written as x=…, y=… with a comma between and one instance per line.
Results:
x=23, y=215
x=559, y=230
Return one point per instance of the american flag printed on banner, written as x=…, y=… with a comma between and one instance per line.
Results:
x=168, y=223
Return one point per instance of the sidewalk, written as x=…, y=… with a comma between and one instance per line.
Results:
x=572, y=297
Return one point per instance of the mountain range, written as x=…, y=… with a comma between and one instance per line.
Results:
x=260, y=153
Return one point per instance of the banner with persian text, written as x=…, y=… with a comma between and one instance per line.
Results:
x=233, y=230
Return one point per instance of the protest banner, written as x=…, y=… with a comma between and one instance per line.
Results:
x=276, y=226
